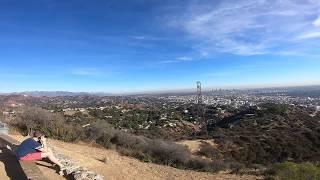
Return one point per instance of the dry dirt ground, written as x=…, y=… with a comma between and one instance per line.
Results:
x=194, y=145
x=116, y=166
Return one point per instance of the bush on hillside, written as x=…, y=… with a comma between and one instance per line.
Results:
x=271, y=108
x=209, y=151
x=52, y=124
x=294, y=171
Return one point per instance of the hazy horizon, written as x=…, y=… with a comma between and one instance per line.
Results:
x=191, y=89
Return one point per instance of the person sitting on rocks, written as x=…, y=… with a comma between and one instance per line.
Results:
x=35, y=148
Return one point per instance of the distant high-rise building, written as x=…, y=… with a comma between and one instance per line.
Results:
x=199, y=93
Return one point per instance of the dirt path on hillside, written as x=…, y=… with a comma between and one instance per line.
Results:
x=125, y=168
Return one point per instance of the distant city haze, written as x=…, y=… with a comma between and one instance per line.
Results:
x=120, y=46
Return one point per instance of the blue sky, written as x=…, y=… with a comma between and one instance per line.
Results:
x=149, y=45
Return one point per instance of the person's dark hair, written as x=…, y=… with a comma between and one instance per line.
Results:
x=37, y=133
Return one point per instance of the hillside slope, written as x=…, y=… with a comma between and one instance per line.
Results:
x=276, y=133
x=122, y=167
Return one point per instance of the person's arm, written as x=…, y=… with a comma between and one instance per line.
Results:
x=44, y=143
x=43, y=147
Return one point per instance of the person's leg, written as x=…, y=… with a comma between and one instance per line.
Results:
x=51, y=157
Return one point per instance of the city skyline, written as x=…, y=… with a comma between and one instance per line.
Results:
x=136, y=46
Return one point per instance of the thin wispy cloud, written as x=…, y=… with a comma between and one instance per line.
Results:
x=93, y=72
x=310, y=35
x=147, y=38
x=178, y=60
x=184, y=58
x=317, y=22
x=138, y=37
x=250, y=27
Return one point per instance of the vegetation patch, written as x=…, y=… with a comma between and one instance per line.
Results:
x=294, y=171
x=146, y=149
x=275, y=133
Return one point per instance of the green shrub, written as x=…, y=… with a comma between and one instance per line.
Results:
x=295, y=171
x=280, y=109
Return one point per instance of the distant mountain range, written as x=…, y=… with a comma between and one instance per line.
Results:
x=55, y=93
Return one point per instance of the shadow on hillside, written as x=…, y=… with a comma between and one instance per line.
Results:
x=12, y=166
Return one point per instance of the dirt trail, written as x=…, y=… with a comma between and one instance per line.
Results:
x=122, y=167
